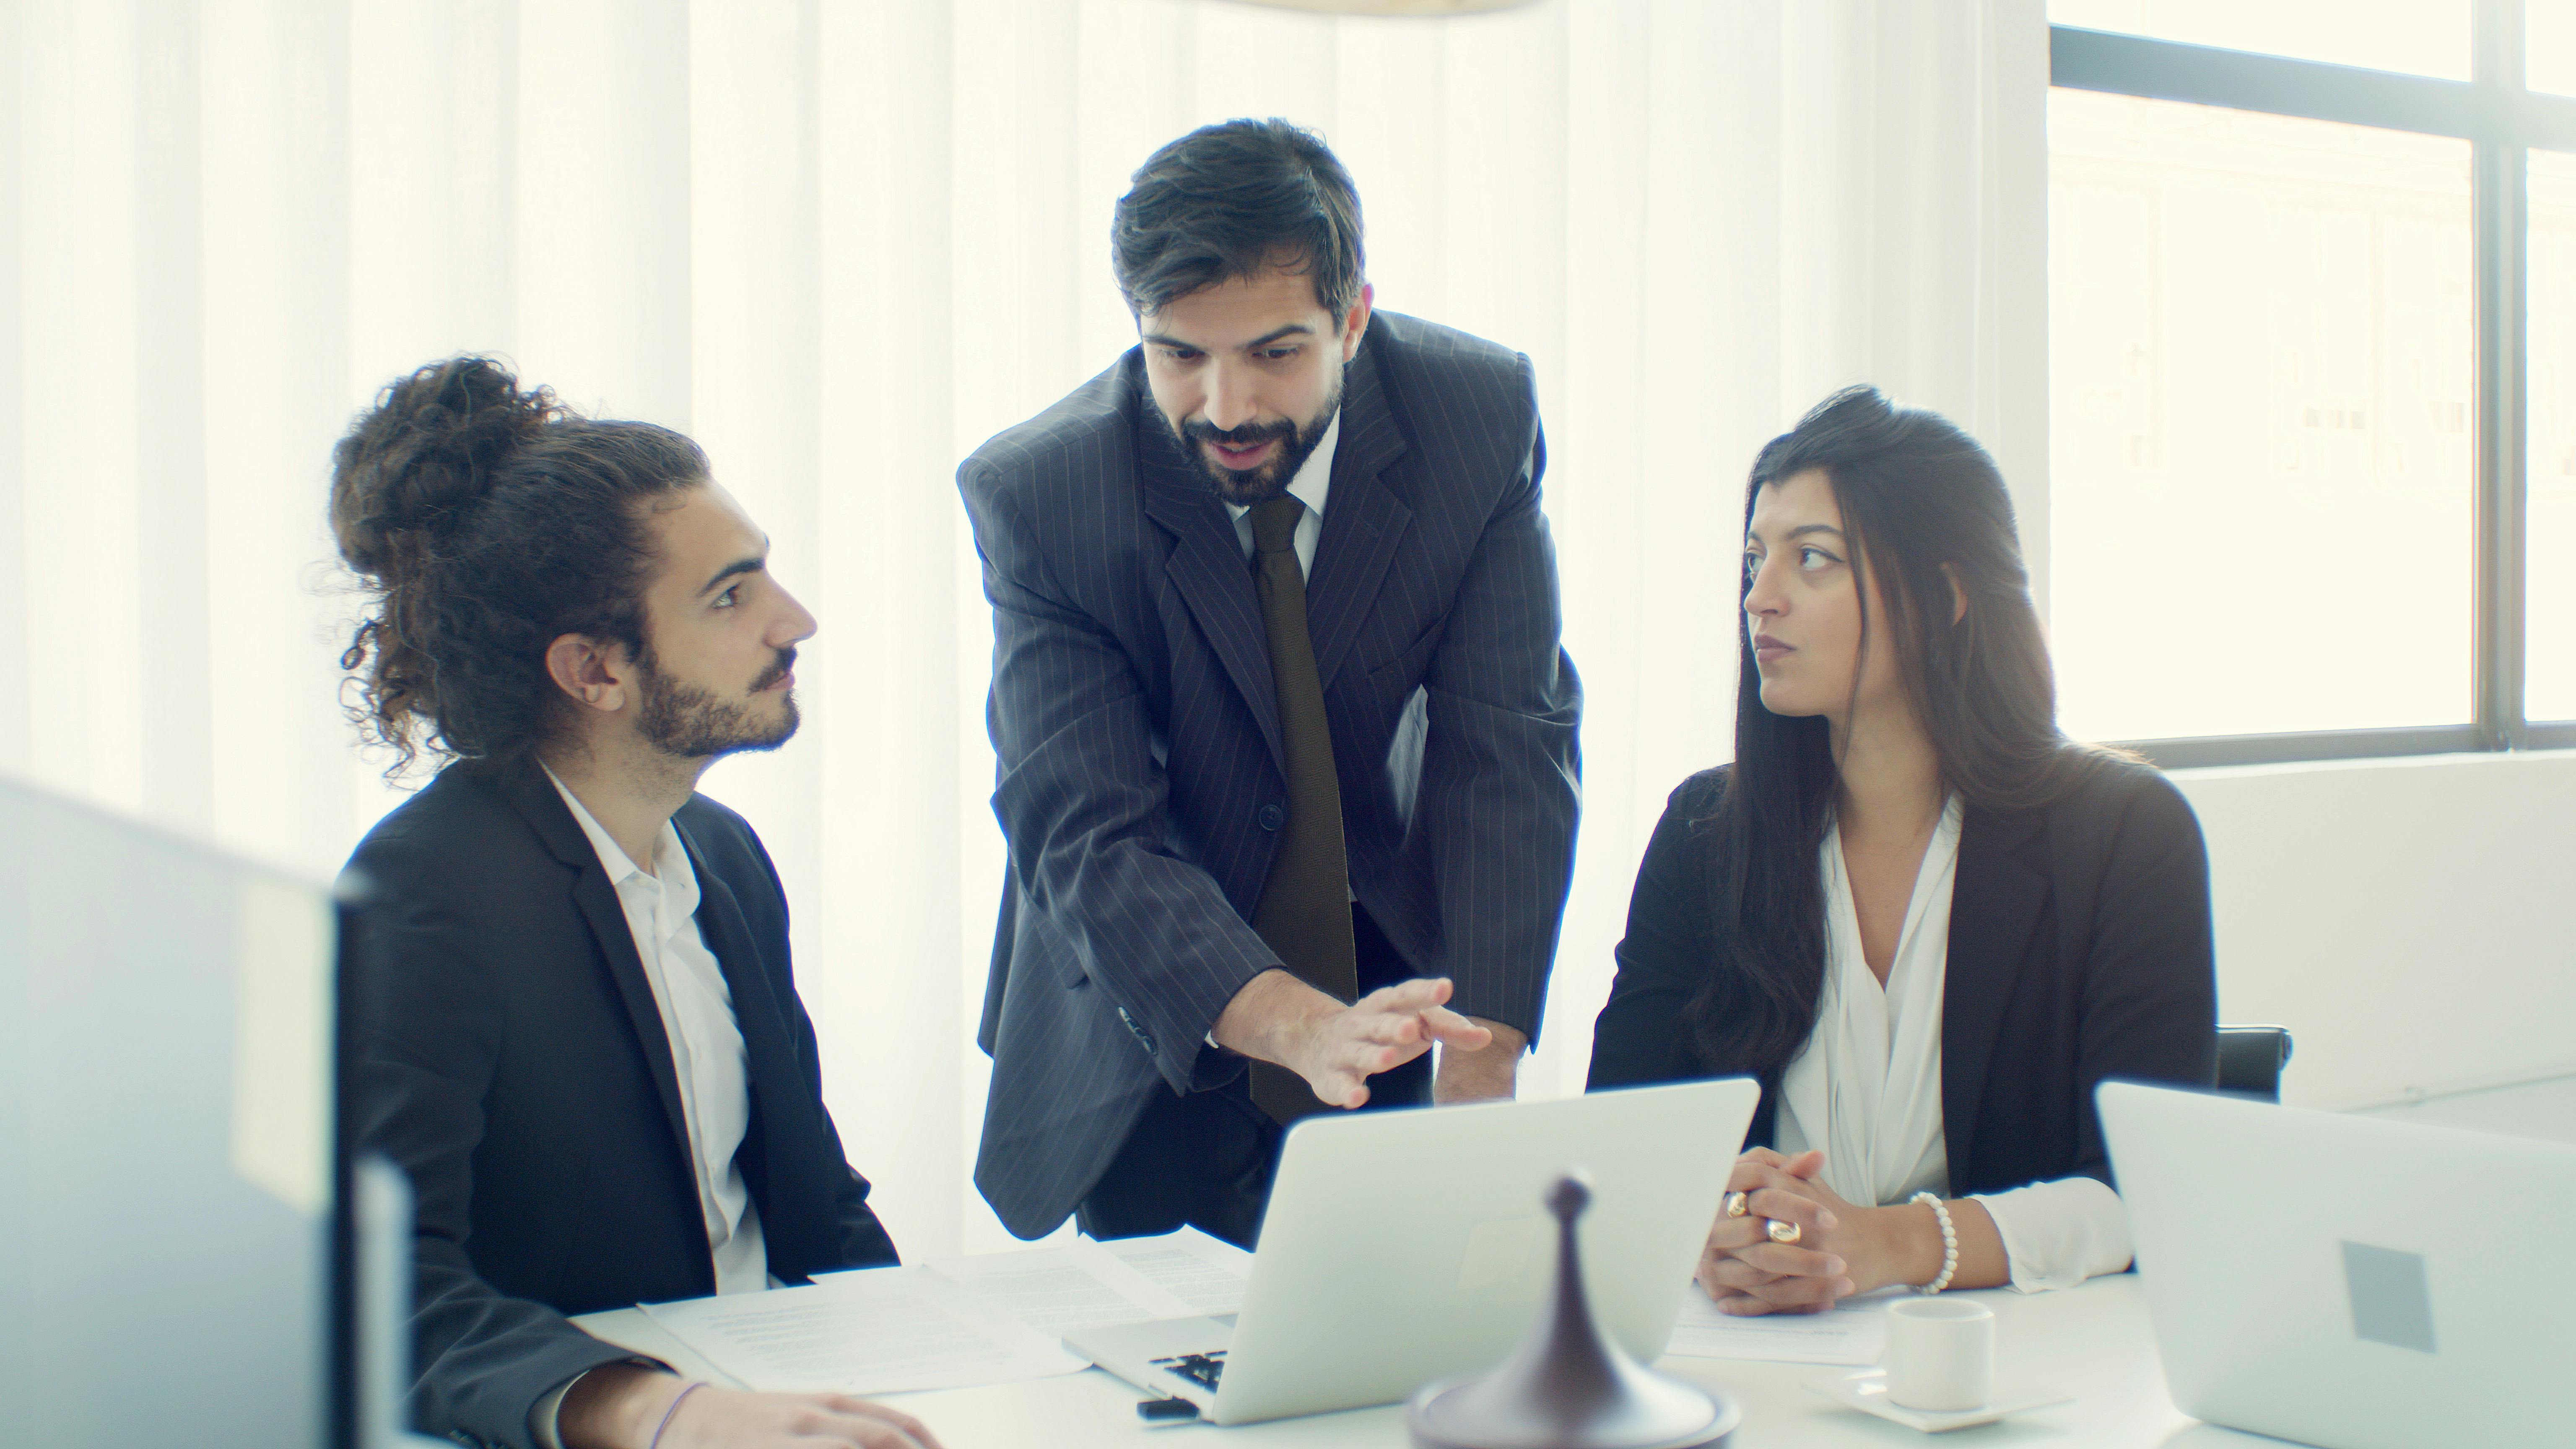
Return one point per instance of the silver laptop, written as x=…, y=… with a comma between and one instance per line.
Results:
x=1401, y=1246
x=2346, y=1281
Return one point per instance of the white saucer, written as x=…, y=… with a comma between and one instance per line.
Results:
x=1867, y=1392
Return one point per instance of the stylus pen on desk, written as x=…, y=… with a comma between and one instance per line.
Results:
x=1172, y=1410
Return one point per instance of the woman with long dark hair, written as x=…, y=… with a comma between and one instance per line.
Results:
x=1927, y=922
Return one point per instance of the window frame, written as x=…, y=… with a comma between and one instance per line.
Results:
x=2503, y=121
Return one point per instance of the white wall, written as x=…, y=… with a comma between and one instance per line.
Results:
x=2412, y=922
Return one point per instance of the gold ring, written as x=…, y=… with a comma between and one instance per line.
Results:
x=1735, y=1204
x=1782, y=1232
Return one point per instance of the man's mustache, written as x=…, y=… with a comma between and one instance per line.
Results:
x=1200, y=430
x=775, y=672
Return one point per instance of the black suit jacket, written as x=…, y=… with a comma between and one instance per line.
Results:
x=2079, y=951
x=509, y=1056
x=1141, y=783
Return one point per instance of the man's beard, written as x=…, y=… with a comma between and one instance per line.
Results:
x=1256, y=485
x=691, y=723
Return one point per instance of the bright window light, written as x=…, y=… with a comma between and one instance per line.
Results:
x=2549, y=46
x=2423, y=37
x=2549, y=578
x=2262, y=422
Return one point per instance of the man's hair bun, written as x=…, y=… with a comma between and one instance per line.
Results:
x=426, y=453
x=485, y=520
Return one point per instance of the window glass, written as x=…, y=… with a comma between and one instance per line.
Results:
x=2261, y=422
x=2549, y=46
x=2425, y=37
x=2549, y=575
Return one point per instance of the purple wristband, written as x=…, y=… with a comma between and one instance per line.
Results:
x=676, y=1402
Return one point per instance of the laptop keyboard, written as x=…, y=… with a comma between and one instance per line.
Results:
x=1202, y=1369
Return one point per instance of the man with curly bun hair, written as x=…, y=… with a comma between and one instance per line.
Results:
x=574, y=1020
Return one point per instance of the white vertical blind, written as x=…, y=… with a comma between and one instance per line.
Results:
x=842, y=243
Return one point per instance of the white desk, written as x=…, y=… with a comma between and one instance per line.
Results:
x=2092, y=1342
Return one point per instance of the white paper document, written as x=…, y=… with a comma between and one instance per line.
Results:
x=878, y=1332
x=990, y=1319
x=1079, y=1284
x=1854, y=1332
x=1206, y=1273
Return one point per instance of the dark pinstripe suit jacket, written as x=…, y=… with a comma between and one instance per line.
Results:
x=1141, y=783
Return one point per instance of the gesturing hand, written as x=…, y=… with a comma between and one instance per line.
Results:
x=1337, y=1048
x=1381, y=1031
x=620, y=1406
x=1746, y=1272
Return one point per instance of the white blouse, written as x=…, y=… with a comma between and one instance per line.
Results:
x=1866, y=1088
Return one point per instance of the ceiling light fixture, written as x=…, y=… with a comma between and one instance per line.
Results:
x=1388, y=7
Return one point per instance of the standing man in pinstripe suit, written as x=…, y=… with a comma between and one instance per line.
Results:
x=1287, y=742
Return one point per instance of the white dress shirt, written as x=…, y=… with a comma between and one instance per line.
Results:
x=1313, y=481
x=706, y=1055
x=706, y=1043
x=1866, y=1088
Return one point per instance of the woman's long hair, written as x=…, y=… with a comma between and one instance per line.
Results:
x=1924, y=506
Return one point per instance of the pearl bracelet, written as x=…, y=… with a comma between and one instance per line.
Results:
x=1949, y=1242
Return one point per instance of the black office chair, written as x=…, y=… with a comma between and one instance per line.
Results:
x=2250, y=1059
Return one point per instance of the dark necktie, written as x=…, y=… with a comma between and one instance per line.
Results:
x=1305, y=912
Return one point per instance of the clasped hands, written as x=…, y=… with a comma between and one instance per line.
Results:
x=1336, y=1048
x=1838, y=1250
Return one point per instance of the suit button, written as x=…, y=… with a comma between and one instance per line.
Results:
x=1272, y=817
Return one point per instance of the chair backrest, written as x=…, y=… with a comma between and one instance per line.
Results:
x=2250, y=1059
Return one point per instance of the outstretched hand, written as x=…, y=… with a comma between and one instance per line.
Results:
x=1380, y=1032
x=1337, y=1048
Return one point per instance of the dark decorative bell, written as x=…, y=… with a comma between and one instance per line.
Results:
x=1567, y=1387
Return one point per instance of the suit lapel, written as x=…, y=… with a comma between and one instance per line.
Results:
x=533, y=795
x=1995, y=903
x=780, y=1111
x=1208, y=567
x=1363, y=519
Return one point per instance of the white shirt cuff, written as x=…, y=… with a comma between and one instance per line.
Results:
x=541, y=1419
x=2057, y=1234
x=544, y=1417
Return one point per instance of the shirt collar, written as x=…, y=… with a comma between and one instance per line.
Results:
x=670, y=862
x=1314, y=476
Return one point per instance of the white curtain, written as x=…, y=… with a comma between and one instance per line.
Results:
x=840, y=244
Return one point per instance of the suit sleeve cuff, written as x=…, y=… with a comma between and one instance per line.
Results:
x=1214, y=1066
x=543, y=1419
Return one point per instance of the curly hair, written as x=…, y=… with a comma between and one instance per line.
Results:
x=485, y=521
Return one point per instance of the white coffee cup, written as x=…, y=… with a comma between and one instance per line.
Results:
x=1940, y=1353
